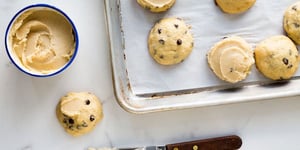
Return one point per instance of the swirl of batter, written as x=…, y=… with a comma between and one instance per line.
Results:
x=43, y=40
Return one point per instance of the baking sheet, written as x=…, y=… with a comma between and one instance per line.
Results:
x=209, y=25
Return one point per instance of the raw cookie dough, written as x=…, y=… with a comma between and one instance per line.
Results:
x=277, y=57
x=235, y=6
x=42, y=39
x=79, y=112
x=231, y=59
x=291, y=22
x=170, y=41
x=156, y=5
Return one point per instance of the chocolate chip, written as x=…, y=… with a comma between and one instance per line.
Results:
x=159, y=31
x=231, y=69
x=285, y=61
x=84, y=124
x=296, y=25
x=176, y=26
x=179, y=42
x=290, y=66
x=71, y=121
x=161, y=41
x=225, y=37
x=161, y=56
x=294, y=8
x=87, y=102
x=92, y=118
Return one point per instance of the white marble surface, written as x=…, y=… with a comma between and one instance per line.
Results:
x=27, y=104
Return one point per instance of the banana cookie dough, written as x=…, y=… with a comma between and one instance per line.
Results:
x=235, y=6
x=291, y=22
x=42, y=39
x=170, y=41
x=277, y=57
x=156, y=5
x=231, y=59
x=79, y=112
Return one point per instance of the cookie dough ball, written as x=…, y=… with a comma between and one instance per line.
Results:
x=79, y=112
x=156, y=5
x=277, y=57
x=231, y=59
x=170, y=41
x=235, y=6
x=291, y=22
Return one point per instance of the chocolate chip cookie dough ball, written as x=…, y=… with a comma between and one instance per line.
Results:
x=156, y=5
x=79, y=112
x=277, y=57
x=231, y=59
x=291, y=22
x=235, y=6
x=170, y=41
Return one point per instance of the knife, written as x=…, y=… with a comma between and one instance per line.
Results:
x=232, y=142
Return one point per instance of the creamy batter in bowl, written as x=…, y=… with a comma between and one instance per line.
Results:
x=41, y=40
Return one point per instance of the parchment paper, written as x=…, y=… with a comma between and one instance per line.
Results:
x=209, y=25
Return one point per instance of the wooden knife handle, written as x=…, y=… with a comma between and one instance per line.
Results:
x=232, y=142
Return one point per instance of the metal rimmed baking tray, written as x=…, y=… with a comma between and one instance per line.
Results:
x=142, y=86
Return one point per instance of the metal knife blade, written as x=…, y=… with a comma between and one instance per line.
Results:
x=132, y=148
x=232, y=142
x=146, y=148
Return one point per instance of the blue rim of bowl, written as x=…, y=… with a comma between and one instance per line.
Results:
x=74, y=32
